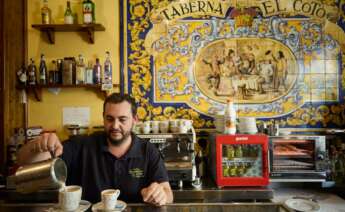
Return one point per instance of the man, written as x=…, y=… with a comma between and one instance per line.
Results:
x=115, y=158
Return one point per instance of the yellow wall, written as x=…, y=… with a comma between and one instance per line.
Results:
x=48, y=112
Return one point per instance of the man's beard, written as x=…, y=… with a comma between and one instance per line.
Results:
x=118, y=142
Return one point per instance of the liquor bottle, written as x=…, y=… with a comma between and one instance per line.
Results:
x=46, y=13
x=97, y=70
x=88, y=12
x=43, y=71
x=32, y=73
x=108, y=72
x=230, y=118
x=59, y=71
x=89, y=74
x=68, y=14
x=51, y=74
x=80, y=75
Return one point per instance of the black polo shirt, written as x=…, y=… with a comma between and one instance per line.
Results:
x=92, y=166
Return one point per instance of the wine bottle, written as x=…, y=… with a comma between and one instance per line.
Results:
x=68, y=14
x=88, y=11
x=32, y=73
x=43, y=71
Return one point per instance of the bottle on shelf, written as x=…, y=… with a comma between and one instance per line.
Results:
x=89, y=74
x=80, y=73
x=108, y=72
x=97, y=70
x=88, y=12
x=32, y=73
x=43, y=71
x=46, y=13
x=51, y=74
x=59, y=71
x=69, y=69
x=230, y=118
x=69, y=19
x=93, y=12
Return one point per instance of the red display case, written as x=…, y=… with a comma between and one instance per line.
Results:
x=239, y=160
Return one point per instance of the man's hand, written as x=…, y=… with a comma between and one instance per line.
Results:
x=40, y=148
x=157, y=193
x=47, y=142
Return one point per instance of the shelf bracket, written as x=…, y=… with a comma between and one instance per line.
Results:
x=38, y=93
x=91, y=35
x=50, y=34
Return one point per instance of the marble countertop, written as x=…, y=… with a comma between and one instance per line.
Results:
x=328, y=202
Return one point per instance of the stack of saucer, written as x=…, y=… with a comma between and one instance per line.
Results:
x=247, y=125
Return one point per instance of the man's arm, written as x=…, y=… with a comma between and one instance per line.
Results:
x=38, y=149
x=158, y=193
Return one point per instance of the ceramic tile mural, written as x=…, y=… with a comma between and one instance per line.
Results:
x=280, y=61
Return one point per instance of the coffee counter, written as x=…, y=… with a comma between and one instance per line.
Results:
x=205, y=207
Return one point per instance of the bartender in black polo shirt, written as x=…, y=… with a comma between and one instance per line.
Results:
x=115, y=158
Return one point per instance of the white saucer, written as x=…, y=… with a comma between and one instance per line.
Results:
x=83, y=206
x=302, y=205
x=120, y=206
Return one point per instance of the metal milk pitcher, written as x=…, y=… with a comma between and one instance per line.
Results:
x=48, y=174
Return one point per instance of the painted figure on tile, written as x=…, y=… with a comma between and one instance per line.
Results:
x=214, y=77
x=280, y=72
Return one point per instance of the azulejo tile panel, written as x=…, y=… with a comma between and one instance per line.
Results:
x=279, y=60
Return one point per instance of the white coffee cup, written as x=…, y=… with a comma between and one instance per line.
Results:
x=174, y=125
x=137, y=127
x=109, y=198
x=164, y=126
x=155, y=126
x=69, y=197
x=146, y=126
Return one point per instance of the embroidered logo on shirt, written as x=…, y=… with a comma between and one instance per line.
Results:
x=136, y=173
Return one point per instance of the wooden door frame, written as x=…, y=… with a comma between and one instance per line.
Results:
x=2, y=88
x=13, y=54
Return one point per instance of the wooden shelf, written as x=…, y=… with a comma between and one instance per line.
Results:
x=50, y=30
x=37, y=89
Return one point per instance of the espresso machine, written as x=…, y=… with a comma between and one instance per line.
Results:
x=177, y=150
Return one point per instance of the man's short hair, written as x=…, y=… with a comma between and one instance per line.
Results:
x=116, y=98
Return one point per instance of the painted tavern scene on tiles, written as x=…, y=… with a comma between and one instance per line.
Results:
x=281, y=61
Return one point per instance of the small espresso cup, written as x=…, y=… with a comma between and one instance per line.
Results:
x=69, y=197
x=164, y=126
x=155, y=126
x=146, y=127
x=109, y=198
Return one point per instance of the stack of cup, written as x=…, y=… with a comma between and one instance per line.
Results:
x=247, y=125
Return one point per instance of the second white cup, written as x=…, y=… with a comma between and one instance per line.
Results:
x=109, y=198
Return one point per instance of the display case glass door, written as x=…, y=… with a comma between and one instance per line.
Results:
x=242, y=160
